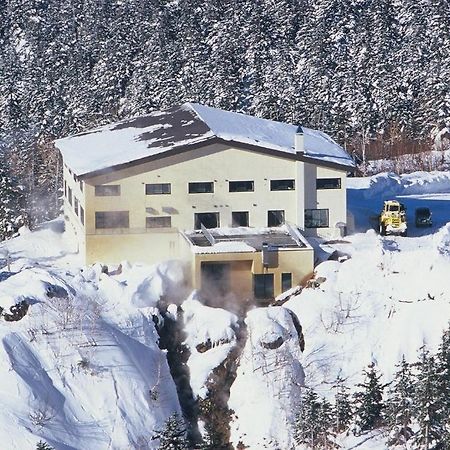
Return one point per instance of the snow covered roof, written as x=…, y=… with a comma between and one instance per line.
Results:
x=245, y=239
x=184, y=127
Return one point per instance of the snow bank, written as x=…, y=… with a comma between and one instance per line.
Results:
x=266, y=391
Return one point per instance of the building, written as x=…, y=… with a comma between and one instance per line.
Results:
x=231, y=194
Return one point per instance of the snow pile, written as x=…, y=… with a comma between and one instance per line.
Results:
x=210, y=337
x=82, y=369
x=266, y=391
x=443, y=241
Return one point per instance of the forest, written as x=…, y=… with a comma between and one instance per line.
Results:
x=374, y=74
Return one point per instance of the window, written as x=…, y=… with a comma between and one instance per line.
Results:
x=275, y=218
x=157, y=188
x=239, y=218
x=69, y=195
x=81, y=186
x=328, y=183
x=112, y=219
x=82, y=215
x=316, y=218
x=286, y=281
x=241, y=186
x=263, y=285
x=201, y=187
x=282, y=185
x=208, y=220
x=107, y=190
x=158, y=222
x=75, y=205
x=65, y=188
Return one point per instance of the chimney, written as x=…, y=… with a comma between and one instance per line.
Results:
x=299, y=140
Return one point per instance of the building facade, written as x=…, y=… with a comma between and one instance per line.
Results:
x=154, y=180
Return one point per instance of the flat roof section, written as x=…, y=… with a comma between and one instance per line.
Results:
x=245, y=239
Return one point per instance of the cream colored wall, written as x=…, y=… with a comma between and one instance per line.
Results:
x=335, y=200
x=216, y=163
x=298, y=262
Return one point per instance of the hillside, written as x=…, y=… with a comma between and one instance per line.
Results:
x=92, y=365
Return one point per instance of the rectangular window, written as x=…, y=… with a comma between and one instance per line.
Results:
x=65, y=188
x=316, y=218
x=75, y=205
x=112, y=219
x=208, y=220
x=158, y=222
x=241, y=186
x=328, y=183
x=157, y=188
x=81, y=186
x=107, y=190
x=275, y=218
x=69, y=196
x=239, y=218
x=82, y=215
x=201, y=187
x=282, y=185
x=263, y=285
x=286, y=281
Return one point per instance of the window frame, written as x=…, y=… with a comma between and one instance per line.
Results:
x=126, y=214
x=282, y=187
x=330, y=185
x=276, y=211
x=197, y=219
x=98, y=190
x=268, y=286
x=245, y=213
x=197, y=184
x=156, y=224
x=81, y=215
x=284, y=279
x=70, y=195
x=309, y=225
x=237, y=186
x=76, y=205
x=162, y=190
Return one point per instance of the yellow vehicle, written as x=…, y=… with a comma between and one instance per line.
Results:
x=393, y=218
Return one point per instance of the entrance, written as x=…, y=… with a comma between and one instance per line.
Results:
x=215, y=278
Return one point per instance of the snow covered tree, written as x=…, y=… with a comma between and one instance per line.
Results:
x=399, y=409
x=173, y=435
x=369, y=401
x=41, y=445
x=343, y=409
x=429, y=406
x=314, y=423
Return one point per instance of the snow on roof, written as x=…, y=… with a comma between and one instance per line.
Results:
x=180, y=127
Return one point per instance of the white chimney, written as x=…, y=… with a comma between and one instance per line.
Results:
x=299, y=140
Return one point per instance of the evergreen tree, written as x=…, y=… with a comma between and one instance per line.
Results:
x=369, y=400
x=173, y=435
x=41, y=445
x=399, y=409
x=343, y=409
x=429, y=406
x=314, y=423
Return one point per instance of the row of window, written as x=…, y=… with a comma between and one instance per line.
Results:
x=314, y=218
x=205, y=187
x=74, y=202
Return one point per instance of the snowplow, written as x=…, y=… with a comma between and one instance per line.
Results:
x=392, y=219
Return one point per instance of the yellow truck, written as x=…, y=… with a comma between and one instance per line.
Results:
x=392, y=219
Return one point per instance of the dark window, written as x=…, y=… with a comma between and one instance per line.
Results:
x=286, y=281
x=239, y=218
x=107, y=190
x=241, y=186
x=69, y=196
x=201, y=187
x=157, y=188
x=81, y=186
x=159, y=222
x=275, y=218
x=112, y=219
x=65, y=188
x=263, y=285
x=316, y=218
x=328, y=183
x=82, y=215
x=208, y=220
x=75, y=205
x=282, y=185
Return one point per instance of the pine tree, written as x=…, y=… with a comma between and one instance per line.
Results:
x=399, y=409
x=369, y=400
x=173, y=435
x=314, y=423
x=429, y=406
x=343, y=409
x=41, y=445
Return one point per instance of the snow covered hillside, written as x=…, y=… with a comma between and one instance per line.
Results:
x=84, y=368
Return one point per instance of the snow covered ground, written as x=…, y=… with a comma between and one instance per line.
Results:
x=83, y=370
